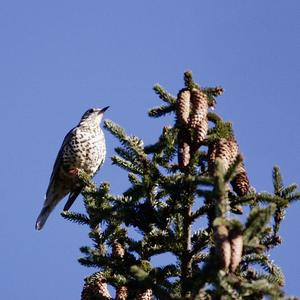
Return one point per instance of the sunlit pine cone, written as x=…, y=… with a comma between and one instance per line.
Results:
x=147, y=295
x=224, y=152
x=184, y=154
x=223, y=248
x=233, y=148
x=122, y=293
x=95, y=288
x=183, y=106
x=199, y=108
x=240, y=182
x=236, y=242
x=198, y=119
x=201, y=131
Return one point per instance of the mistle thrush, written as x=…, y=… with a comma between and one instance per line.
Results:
x=82, y=149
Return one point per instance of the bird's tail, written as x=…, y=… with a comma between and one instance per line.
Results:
x=51, y=200
x=43, y=216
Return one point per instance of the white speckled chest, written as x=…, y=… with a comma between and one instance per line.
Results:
x=85, y=150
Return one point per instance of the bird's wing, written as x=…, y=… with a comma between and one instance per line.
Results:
x=58, y=159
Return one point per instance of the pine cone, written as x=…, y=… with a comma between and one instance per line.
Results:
x=240, y=182
x=183, y=106
x=118, y=249
x=198, y=119
x=95, y=288
x=122, y=293
x=234, y=150
x=224, y=152
x=147, y=295
x=199, y=108
x=236, y=242
x=201, y=131
x=223, y=249
x=225, y=149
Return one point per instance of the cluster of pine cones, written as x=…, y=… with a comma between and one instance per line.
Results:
x=192, y=110
x=96, y=287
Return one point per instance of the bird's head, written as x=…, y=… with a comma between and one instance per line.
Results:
x=93, y=115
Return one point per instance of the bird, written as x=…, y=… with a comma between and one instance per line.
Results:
x=83, y=148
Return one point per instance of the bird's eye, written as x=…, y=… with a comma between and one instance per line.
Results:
x=91, y=110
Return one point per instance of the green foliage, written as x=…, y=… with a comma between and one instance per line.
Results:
x=162, y=206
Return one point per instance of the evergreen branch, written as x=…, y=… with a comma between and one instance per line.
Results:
x=268, y=198
x=247, y=199
x=126, y=165
x=267, y=265
x=78, y=218
x=200, y=241
x=203, y=180
x=189, y=82
x=124, y=153
x=257, y=220
x=160, y=111
x=86, y=180
x=293, y=197
x=231, y=172
x=133, y=179
x=214, y=92
x=115, y=129
x=259, y=287
x=286, y=192
x=213, y=117
x=200, y=212
x=164, y=95
x=277, y=181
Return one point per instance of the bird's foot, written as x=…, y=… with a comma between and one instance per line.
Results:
x=73, y=171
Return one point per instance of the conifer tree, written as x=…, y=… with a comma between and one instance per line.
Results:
x=194, y=174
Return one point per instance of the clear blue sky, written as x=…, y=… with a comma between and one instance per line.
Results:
x=59, y=58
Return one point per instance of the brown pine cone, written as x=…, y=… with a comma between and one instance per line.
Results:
x=240, y=182
x=234, y=150
x=225, y=149
x=201, y=131
x=199, y=107
x=122, y=293
x=236, y=242
x=223, y=249
x=183, y=106
x=95, y=287
x=198, y=119
x=147, y=295
x=224, y=152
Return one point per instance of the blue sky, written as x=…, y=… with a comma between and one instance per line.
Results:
x=59, y=58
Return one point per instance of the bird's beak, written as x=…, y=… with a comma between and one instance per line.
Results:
x=104, y=109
